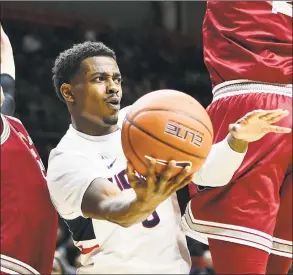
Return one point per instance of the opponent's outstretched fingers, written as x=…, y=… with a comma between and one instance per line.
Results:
x=253, y=114
x=273, y=114
x=277, y=129
x=278, y=118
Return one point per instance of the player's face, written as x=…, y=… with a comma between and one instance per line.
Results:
x=97, y=90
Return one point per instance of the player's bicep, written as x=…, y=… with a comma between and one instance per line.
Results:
x=95, y=198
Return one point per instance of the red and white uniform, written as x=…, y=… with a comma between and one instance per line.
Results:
x=28, y=219
x=248, y=52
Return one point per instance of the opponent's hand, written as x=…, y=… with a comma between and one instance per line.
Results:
x=255, y=125
x=156, y=188
x=6, y=54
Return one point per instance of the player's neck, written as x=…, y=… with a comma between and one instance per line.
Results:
x=93, y=129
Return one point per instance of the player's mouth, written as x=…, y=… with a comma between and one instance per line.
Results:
x=113, y=103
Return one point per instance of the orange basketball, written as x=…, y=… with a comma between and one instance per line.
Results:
x=167, y=125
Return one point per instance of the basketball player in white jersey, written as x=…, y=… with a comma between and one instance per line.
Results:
x=122, y=224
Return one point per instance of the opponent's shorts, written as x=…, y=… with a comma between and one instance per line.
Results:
x=255, y=208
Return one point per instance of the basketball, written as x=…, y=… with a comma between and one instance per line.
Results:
x=167, y=125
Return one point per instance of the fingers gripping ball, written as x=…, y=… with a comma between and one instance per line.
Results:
x=167, y=125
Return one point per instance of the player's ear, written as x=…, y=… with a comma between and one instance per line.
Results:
x=66, y=92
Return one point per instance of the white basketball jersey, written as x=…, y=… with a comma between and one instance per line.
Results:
x=156, y=245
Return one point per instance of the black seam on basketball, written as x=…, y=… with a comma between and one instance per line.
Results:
x=162, y=141
x=130, y=144
x=177, y=112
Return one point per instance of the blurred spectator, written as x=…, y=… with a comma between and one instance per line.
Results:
x=31, y=44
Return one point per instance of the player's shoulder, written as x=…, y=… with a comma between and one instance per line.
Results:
x=67, y=146
x=69, y=141
x=70, y=148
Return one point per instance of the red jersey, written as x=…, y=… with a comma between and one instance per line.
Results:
x=248, y=40
x=28, y=218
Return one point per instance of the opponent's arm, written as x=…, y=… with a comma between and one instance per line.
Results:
x=226, y=156
x=7, y=77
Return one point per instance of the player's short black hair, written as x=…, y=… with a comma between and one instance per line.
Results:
x=67, y=63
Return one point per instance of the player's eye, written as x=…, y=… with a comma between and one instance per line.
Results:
x=118, y=80
x=99, y=79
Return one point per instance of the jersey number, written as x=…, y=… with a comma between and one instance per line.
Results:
x=284, y=7
x=122, y=182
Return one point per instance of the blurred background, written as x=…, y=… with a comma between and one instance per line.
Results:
x=158, y=45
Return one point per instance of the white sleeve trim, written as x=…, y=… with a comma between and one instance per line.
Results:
x=220, y=166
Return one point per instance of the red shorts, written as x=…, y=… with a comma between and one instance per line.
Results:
x=255, y=208
x=28, y=234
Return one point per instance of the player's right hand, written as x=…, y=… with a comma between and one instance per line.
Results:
x=156, y=188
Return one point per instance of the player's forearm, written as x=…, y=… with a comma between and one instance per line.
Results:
x=104, y=201
x=222, y=162
x=125, y=212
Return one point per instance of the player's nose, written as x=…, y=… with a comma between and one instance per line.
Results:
x=112, y=89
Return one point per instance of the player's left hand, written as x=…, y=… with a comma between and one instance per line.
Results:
x=255, y=125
